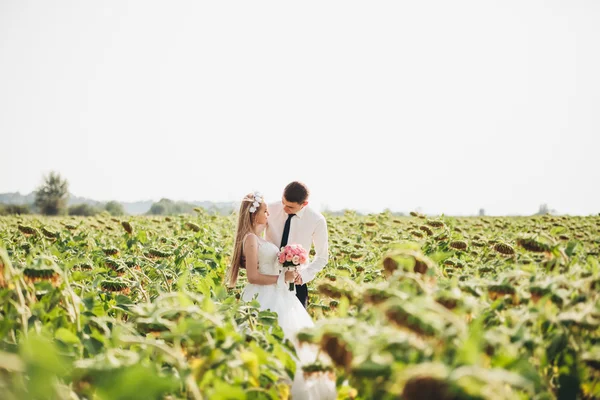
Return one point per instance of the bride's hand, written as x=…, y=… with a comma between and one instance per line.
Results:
x=290, y=276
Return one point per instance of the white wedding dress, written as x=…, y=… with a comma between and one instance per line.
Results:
x=292, y=317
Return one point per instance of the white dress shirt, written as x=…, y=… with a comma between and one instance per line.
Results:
x=308, y=227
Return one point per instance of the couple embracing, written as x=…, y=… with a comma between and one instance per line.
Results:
x=263, y=229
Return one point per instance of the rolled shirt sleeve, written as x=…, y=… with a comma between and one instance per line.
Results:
x=320, y=243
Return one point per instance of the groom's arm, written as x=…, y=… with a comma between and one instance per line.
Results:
x=320, y=242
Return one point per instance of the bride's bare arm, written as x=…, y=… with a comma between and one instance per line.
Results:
x=251, y=253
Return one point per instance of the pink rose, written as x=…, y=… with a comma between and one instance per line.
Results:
x=302, y=259
x=296, y=260
x=288, y=257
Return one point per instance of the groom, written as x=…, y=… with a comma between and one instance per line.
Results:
x=292, y=221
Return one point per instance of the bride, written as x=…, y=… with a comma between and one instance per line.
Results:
x=268, y=283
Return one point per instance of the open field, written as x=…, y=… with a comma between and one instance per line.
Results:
x=408, y=307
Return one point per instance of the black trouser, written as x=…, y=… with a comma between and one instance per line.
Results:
x=302, y=294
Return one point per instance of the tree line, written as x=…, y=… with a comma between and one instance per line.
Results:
x=52, y=196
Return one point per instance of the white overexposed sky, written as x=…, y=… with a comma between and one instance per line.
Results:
x=442, y=106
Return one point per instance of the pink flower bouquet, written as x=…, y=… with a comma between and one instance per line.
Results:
x=290, y=257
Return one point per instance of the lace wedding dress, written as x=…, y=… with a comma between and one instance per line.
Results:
x=292, y=317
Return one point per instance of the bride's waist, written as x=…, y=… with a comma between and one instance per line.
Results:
x=257, y=286
x=269, y=273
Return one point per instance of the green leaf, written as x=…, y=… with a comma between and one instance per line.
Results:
x=268, y=318
x=406, y=246
x=43, y=365
x=557, y=344
x=571, y=248
x=66, y=336
x=470, y=352
x=287, y=360
x=123, y=302
x=223, y=391
x=142, y=236
x=135, y=382
x=440, y=256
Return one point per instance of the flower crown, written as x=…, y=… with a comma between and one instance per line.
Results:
x=258, y=198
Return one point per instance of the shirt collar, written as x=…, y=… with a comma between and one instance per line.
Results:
x=300, y=213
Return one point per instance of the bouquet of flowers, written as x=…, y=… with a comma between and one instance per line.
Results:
x=290, y=257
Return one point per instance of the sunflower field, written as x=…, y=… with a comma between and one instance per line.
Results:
x=414, y=307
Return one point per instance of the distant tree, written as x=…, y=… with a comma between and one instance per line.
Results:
x=481, y=212
x=545, y=210
x=83, y=210
x=157, y=209
x=14, y=209
x=389, y=212
x=170, y=207
x=52, y=196
x=115, y=208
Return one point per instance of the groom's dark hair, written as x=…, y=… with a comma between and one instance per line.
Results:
x=296, y=192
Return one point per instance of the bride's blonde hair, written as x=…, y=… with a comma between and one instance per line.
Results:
x=245, y=225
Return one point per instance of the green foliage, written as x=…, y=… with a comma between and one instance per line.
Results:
x=14, y=209
x=115, y=208
x=481, y=308
x=170, y=207
x=52, y=196
x=84, y=210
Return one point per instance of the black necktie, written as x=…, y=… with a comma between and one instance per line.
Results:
x=286, y=230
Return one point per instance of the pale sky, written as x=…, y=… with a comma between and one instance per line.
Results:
x=441, y=106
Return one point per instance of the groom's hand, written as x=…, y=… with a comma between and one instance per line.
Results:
x=298, y=280
x=290, y=276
